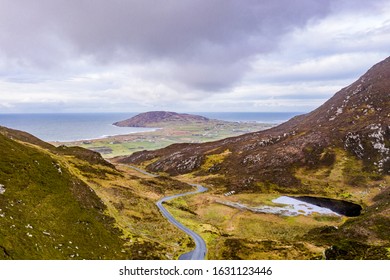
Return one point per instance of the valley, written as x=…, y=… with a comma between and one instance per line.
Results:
x=68, y=202
x=339, y=151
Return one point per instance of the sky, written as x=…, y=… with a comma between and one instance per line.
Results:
x=67, y=56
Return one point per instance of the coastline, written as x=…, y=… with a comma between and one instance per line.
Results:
x=147, y=130
x=165, y=135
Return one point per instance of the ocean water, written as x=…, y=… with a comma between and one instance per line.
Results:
x=261, y=117
x=72, y=127
x=69, y=127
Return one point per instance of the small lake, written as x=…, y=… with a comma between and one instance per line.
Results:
x=309, y=204
x=296, y=207
x=341, y=207
x=302, y=205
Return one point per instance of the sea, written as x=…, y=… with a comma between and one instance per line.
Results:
x=67, y=127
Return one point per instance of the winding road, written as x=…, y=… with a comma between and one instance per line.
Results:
x=200, y=250
x=199, y=253
x=139, y=170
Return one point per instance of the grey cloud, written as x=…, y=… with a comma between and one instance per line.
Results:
x=207, y=43
x=177, y=29
x=209, y=36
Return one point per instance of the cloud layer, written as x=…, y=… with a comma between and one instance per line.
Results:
x=190, y=55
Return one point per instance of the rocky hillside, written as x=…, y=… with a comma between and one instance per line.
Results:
x=150, y=119
x=356, y=120
x=340, y=150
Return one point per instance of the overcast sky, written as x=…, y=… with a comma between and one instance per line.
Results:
x=185, y=55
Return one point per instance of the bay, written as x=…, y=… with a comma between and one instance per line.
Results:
x=69, y=127
x=66, y=127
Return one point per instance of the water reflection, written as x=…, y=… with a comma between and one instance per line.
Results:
x=303, y=205
x=296, y=207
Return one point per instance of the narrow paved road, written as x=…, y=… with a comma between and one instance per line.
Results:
x=199, y=253
x=143, y=171
x=139, y=170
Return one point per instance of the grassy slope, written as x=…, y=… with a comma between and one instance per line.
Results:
x=237, y=234
x=46, y=213
x=130, y=199
x=363, y=237
x=70, y=221
x=66, y=203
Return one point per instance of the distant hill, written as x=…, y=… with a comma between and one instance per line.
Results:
x=153, y=118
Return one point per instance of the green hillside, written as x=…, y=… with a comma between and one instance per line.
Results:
x=69, y=203
x=45, y=213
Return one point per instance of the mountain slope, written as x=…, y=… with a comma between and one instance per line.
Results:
x=80, y=153
x=340, y=150
x=356, y=119
x=69, y=203
x=154, y=118
x=45, y=211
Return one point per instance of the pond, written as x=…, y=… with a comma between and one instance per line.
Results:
x=302, y=205
x=322, y=205
x=296, y=207
x=341, y=207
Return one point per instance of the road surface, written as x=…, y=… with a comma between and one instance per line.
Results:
x=199, y=253
x=140, y=170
